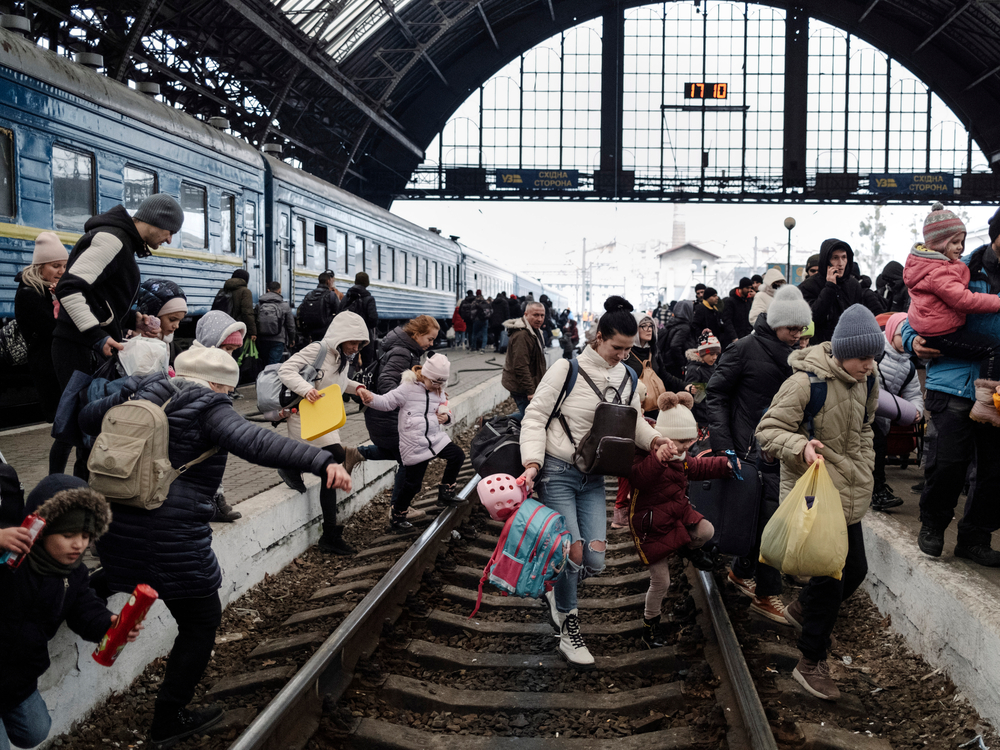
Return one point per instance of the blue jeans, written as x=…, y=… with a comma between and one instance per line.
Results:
x=479, y=331
x=581, y=499
x=522, y=401
x=27, y=725
x=270, y=351
x=460, y=337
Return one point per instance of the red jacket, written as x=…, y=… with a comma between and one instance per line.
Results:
x=659, y=511
x=939, y=293
x=457, y=322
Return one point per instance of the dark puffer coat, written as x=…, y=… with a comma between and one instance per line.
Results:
x=659, y=511
x=698, y=371
x=736, y=314
x=706, y=316
x=398, y=352
x=36, y=320
x=676, y=338
x=828, y=300
x=745, y=380
x=170, y=548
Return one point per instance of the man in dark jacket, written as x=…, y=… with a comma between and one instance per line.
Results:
x=275, y=324
x=318, y=307
x=740, y=390
x=359, y=300
x=707, y=315
x=525, y=364
x=736, y=313
x=834, y=288
x=481, y=312
x=465, y=308
x=497, y=317
x=891, y=290
x=102, y=279
x=677, y=337
x=240, y=300
x=513, y=307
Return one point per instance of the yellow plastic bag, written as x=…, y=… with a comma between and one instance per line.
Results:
x=326, y=415
x=805, y=541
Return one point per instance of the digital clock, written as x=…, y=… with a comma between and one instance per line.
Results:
x=706, y=90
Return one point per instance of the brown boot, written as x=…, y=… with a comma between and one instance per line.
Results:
x=984, y=410
x=815, y=678
x=352, y=459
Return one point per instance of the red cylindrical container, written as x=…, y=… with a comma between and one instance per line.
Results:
x=34, y=524
x=132, y=614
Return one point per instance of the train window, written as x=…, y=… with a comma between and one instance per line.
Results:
x=6, y=172
x=194, y=232
x=298, y=236
x=359, y=253
x=321, y=247
x=227, y=228
x=72, y=188
x=434, y=268
x=250, y=229
x=399, y=270
x=283, y=237
x=139, y=184
x=416, y=271
x=448, y=289
x=341, y=250
x=385, y=262
x=427, y=279
x=411, y=270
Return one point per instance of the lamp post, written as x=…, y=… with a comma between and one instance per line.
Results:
x=789, y=225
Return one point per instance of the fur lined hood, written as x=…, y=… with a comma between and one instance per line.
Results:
x=693, y=356
x=67, y=499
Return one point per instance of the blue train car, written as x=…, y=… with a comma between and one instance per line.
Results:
x=74, y=143
x=480, y=271
x=314, y=226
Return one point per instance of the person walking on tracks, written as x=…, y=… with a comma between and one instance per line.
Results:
x=547, y=452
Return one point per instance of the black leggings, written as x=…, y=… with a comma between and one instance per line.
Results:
x=328, y=496
x=963, y=344
x=197, y=621
x=413, y=478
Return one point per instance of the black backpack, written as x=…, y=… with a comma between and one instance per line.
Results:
x=312, y=312
x=496, y=448
x=269, y=319
x=224, y=302
x=11, y=496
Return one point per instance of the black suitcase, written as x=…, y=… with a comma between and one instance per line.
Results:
x=496, y=448
x=732, y=507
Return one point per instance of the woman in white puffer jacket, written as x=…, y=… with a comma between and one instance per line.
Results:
x=773, y=280
x=547, y=455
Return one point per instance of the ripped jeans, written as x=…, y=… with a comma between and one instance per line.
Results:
x=581, y=499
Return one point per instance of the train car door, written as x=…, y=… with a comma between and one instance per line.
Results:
x=282, y=252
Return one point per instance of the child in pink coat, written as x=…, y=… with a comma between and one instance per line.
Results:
x=940, y=299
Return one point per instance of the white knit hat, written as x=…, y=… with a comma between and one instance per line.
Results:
x=675, y=420
x=437, y=369
x=48, y=249
x=788, y=308
x=205, y=365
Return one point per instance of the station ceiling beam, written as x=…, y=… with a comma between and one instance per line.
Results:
x=486, y=22
x=943, y=25
x=139, y=25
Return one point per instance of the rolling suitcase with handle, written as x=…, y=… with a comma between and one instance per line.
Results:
x=732, y=506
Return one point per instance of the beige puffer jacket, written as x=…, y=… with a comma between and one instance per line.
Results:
x=843, y=425
x=347, y=326
x=578, y=409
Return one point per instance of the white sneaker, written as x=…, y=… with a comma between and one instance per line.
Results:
x=571, y=644
x=555, y=616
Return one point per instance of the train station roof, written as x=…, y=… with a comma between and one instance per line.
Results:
x=357, y=89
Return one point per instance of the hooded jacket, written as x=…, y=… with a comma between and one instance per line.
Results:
x=828, y=299
x=214, y=327
x=706, y=316
x=524, y=365
x=659, y=511
x=242, y=305
x=763, y=299
x=347, y=326
x=696, y=370
x=421, y=436
x=465, y=308
x=101, y=280
x=397, y=353
x=500, y=308
x=170, y=547
x=939, y=293
x=34, y=606
x=740, y=389
x=360, y=301
x=736, y=313
x=891, y=289
x=677, y=337
x=843, y=425
x=286, y=335
x=894, y=369
x=458, y=322
x=35, y=317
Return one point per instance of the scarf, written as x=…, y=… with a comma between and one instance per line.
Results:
x=42, y=563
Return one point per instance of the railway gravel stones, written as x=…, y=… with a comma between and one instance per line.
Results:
x=820, y=737
x=251, y=681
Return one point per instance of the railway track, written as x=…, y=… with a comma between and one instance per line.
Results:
x=407, y=668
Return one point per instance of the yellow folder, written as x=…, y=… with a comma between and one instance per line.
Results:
x=326, y=415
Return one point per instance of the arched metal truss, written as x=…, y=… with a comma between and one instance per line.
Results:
x=357, y=89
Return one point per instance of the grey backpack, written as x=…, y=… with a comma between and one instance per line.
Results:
x=130, y=460
x=273, y=395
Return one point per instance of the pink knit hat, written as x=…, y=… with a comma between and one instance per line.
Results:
x=48, y=249
x=892, y=325
x=940, y=226
x=234, y=338
x=437, y=369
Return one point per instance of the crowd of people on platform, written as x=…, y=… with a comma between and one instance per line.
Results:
x=706, y=378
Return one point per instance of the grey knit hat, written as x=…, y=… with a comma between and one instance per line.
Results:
x=788, y=308
x=857, y=334
x=161, y=211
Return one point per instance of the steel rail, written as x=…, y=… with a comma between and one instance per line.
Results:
x=754, y=719
x=329, y=670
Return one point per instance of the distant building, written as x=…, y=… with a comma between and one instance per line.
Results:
x=683, y=266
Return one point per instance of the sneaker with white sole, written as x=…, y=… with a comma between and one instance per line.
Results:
x=815, y=678
x=555, y=616
x=770, y=607
x=571, y=644
x=746, y=586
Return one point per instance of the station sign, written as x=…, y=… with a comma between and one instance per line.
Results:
x=539, y=179
x=910, y=183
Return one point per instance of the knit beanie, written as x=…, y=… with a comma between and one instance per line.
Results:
x=48, y=249
x=940, y=226
x=361, y=279
x=69, y=506
x=745, y=282
x=698, y=286
x=892, y=325
x=810, y=330
x=813, y=261
x=675, y=420
x=233, y=339
x=437, y=369
x=857, y=335
x=788, y=308
x=241, y=273
x=995, y=226
x=161, y=211
x=160, y=297
x=708, y=343
x=203, y=365
x=709, y=292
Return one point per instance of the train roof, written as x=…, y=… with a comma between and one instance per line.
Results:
x=22, y=56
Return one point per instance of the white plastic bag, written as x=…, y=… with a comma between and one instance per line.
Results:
x=144, y=356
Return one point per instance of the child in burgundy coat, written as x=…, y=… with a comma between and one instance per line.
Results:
x=660, y=516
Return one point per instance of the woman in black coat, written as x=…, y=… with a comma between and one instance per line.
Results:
x=170, y=547
x=34, y=310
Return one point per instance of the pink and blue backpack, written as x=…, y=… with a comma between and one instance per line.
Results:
x=533, y=549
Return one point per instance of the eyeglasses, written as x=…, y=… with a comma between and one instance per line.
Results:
x=647, y=326
x=795, y=329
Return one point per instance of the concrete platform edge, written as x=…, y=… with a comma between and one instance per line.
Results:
x=945, y=612
x=277, y=525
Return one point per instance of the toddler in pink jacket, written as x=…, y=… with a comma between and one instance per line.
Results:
x=938, y=281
